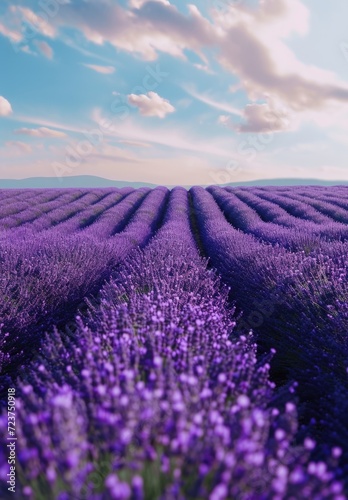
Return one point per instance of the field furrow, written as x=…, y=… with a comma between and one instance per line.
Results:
x=267, y=210
x=18, y=205
x=336, y=213
x=89, y=213
x=39, y=219
x=115, y=218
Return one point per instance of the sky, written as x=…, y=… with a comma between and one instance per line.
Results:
x=170, y=92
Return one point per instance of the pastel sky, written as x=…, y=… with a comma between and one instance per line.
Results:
x=171, y=92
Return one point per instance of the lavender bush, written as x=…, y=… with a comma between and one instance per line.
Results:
x=44, y=280
x=295, y=302
x=156, y=398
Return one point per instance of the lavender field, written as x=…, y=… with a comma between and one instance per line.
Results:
x=173, y=344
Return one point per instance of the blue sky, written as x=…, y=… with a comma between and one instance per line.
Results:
x=174, y=93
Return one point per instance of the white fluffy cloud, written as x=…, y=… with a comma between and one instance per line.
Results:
x=151, y=104
x=40, y=132
x=5, y=107
x=105, y=70
x=264, y=117
x=258, y=118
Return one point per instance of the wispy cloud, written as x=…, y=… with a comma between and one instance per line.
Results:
x=37, y=22
x=27, y=50
x=20, y=146
x=151, y=104
x=204, y=67
x=40, y=132
x=127, y=130
x=105, y=70
x=213, y=103
x=136, y=144
x=14, y=35
x=45, y=49
x=172, y=137
x=43, y=122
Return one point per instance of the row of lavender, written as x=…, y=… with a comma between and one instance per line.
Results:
x=157, y=396
x=282, y=219
x=296, y=302
x=272, y=215
x=78, y=208
x=45, y=278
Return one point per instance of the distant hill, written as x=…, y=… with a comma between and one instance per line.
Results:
x=80, y=181
x=90, y=181
x=288, y=182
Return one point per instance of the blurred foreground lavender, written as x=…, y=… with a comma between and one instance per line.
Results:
x=157, y=398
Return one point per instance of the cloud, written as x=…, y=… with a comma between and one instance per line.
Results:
x=212, y=102
x=45, y=49
x=169, y=137
x=253, y=47
x=36, y=23
x=5, y=107
x=21, y=146
x=40, y=132
x=204, y=67
x=263, y=118
x=151, y=104
x=244, y=53
x=43, y=122
x=105, y=70
x=256, y=117
x=13, y=35
x=27, y=50
x=139, y=3
x=224, y=119
x=114, y=153
x=146, y=28
x=136, y=144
